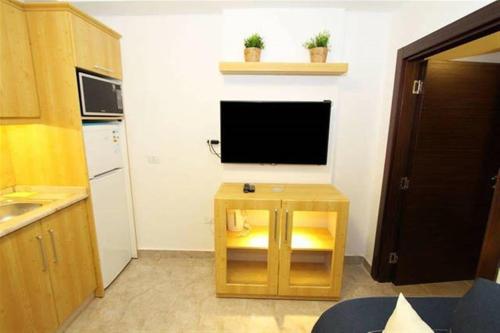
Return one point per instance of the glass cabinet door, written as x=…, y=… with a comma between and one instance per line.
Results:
x=310, y=256
x=248, y=245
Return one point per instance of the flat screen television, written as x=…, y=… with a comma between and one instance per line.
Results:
x=275, y=132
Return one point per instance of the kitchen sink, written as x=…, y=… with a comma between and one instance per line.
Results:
x=12, y=209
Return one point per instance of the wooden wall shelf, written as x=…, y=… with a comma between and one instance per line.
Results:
x=282, y=68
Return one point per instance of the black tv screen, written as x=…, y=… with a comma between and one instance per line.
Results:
x=275, y=132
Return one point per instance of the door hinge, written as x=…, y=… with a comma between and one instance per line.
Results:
x=418, y=87
x=404, y=183
x=393, y=258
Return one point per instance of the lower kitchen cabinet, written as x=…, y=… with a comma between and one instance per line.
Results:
x=26, y=299
x=70, y=258
x=46, y=271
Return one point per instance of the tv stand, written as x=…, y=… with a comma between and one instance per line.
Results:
x=283, y=241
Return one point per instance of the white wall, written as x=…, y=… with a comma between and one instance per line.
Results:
x=284, y=39
x=172, y=90
x=171, y=95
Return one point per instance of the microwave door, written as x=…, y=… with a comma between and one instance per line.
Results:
x=99, y=96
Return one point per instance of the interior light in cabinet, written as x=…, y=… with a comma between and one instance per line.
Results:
x=258, y=241
x=301, y=240
x=311, y=239
x=256, y=237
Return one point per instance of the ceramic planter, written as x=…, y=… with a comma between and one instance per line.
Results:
x=318, y=54
x=252, y=54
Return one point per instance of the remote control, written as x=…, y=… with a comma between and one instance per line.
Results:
x=248, y=188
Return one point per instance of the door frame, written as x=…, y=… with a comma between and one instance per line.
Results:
x=404, y=107
x=490, y=252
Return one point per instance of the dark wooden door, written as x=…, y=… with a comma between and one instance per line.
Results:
x=490, y=253
x=454, y=154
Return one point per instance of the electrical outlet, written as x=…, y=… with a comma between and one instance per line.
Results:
x=153, y=159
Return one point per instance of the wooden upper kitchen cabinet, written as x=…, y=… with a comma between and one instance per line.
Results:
x=96, y=49
x=92, y=45
x=18, y=94
x=26, y=299
x=70, y=258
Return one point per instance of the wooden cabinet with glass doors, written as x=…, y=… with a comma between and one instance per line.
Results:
x=283, y=241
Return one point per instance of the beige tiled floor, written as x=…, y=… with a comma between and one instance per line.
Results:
x=165, y=294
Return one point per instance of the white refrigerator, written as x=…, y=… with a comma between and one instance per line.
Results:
x=108, y=186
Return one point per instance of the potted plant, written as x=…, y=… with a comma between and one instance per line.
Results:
x=318, y=46
x=253, y=45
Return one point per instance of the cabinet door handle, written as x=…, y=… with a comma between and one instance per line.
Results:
x=276, y=225
x=53, y=241
x=286, y=225
x=42, y=251
x=102, y=68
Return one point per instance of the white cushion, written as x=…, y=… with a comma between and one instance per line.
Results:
x=404, y=319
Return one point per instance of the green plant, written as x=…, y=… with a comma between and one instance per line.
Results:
x=320, y=40
x=255, y=40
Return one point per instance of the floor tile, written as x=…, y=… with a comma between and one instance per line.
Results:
x=176, y=294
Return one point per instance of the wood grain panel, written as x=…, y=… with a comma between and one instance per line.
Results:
x=487, y=44
x=26, y=299
x=244, y=277
x=280, y=68
x=334, y=274
x=270, y=275
x=18, y=94
x=490, y=252
x=54, y=144
x=475, y=25
x=67, y=7
x=452, y=160
x=95, y=50
x=49, y=150
x=7, y=176
x=297, y=192
x=70, y=258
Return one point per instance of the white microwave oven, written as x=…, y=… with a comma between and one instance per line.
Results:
x=99, y=96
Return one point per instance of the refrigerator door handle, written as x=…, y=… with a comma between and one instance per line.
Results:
x=104, y=174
